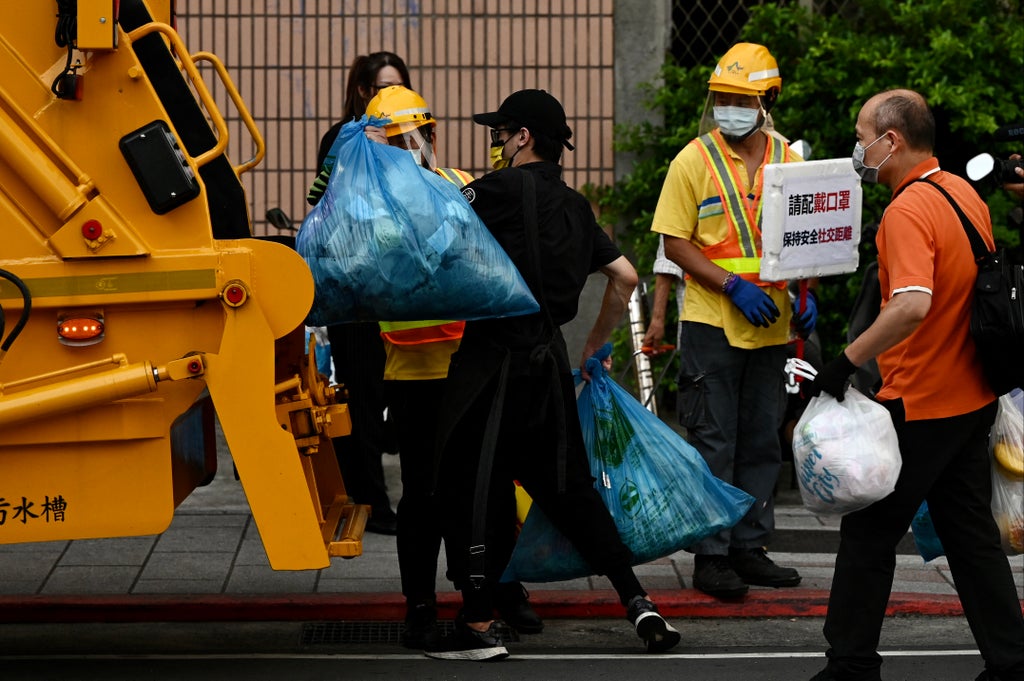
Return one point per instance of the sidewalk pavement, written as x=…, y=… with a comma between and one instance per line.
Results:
x=210, y=565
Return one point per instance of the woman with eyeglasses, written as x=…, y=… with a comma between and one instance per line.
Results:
x=369, y=74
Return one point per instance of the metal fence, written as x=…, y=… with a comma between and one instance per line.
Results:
x=702, y=30
x=290, y=61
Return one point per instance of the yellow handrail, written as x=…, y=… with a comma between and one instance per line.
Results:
x=181, y=51
x=243, y=111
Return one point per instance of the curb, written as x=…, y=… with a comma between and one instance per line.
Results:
x=680, y=603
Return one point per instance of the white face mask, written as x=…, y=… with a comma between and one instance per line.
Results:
x=867, y=174
x=417, y=145
x=736, y=121
x=417, y=156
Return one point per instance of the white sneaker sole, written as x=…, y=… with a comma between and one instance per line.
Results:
x=474, y=654
x=656, y=633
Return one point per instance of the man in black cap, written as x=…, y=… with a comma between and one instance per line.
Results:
x=510, y=403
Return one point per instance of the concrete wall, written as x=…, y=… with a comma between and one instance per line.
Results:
x=642, y=29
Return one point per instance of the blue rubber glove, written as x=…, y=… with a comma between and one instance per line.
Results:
x=807, y=318
x=756, y=305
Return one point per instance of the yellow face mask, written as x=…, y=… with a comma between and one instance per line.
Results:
x=497, y=162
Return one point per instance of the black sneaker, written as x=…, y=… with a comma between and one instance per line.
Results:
x=657, y=634
x=469, y=644
x=421, y=630
x=755, y=567
x=512, y=601
x=715, y=576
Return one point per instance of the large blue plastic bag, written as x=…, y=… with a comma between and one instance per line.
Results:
x=847, y=455
x=657, y=487
x=393, y=241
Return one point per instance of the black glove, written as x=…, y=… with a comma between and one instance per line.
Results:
x=833, y=378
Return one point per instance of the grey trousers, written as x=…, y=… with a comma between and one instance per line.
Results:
x=731, y=402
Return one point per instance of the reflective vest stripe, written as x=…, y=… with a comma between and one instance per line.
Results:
x=417, y=333
x=460, y=178
x=726, y=178
x=739, y=265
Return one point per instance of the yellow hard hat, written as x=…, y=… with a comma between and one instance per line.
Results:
x=747, y=69
x=406, y=109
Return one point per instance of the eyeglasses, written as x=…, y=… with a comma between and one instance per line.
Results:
x=496, y=134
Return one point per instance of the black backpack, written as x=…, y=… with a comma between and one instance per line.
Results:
x=997, y=314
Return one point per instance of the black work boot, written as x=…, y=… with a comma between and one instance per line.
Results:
x=513, y=603
x=715, y=576
x=755, y=567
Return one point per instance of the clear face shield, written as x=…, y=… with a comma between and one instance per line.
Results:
x=417, y=141
x=737, y=115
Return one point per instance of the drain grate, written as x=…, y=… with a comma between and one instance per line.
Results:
x=326, y=633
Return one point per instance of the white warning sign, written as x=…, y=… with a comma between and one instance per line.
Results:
x=810, y=219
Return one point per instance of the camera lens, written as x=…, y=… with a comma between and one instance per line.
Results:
x=1008, y=171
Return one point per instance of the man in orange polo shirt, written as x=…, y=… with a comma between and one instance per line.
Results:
x=941, y=406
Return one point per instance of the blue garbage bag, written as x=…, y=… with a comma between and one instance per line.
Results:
x=925, y=537
x=657, y=487
x=392, y=241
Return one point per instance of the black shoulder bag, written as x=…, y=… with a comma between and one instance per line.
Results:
x=997, y=313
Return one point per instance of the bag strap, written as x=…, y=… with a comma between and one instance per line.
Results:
x=533, y=240
x=978, y=246
x=478, y=529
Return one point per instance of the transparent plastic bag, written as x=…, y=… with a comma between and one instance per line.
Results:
x=392, y=241
x=657, y=487
x=846, y=453
x=1007, y=446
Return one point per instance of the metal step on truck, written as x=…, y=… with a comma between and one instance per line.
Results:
x=137, y=307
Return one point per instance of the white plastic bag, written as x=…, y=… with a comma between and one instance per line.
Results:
x=846, y=453
x=1007, y=447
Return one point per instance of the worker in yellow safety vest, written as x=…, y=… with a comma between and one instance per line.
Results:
x=734, y=327
x=418, y=354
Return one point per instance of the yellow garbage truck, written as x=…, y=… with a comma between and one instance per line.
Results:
x=137, y=307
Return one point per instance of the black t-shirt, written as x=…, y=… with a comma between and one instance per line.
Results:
x=572, y=245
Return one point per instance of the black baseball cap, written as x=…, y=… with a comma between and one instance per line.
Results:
x=536, y=110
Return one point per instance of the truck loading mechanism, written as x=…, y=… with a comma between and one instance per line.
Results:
x=136, y=305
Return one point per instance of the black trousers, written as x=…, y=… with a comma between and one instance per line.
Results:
x=415, y=406
x=358, y=353
x=526, y=452
x=945, y=461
